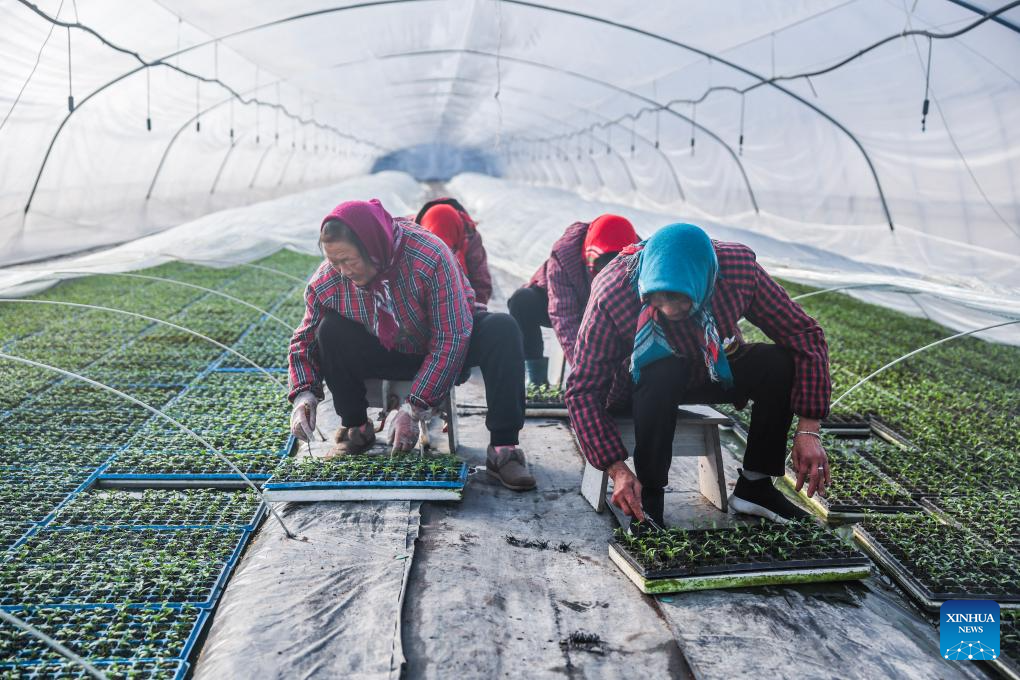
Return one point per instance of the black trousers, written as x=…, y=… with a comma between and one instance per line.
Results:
x=529, y=306
x=762, y=372
x=349, y=355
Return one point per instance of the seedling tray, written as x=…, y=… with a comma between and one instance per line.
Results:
x=134, y=469
x=779, y=576
x=854, y=425
x=930, y=600
x=848, y=511
x=700, y=571
x=110, y=566
x=114, y=670
x=113, y=633
x=160, y=509
x=370, y=478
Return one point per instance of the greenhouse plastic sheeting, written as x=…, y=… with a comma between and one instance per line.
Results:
x=520, y=223
x=634, y=103
x=325, y=605
x=228, y=237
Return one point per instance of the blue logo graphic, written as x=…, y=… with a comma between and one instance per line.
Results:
x=969, y=630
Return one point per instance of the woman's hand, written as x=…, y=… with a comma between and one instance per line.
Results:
x=626, y=490
x=302, y=418
x=809, y=459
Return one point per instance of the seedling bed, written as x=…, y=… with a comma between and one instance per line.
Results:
x=114, y=670
x=98, y=566
x=857, y=488
x=680, y=560
x=993, y=516
x=544, y=397
x=369, y=477
x=935, y=562
x=12, y=532
x=160, y=509
x=124, y=632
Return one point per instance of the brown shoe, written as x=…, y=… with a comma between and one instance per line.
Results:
x=509, y=467
x=352, y=441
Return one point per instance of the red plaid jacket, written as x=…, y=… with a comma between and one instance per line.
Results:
x=433, y=303
x=606, y=339
x=564, y=276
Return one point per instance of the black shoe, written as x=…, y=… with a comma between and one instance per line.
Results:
x=761, y=498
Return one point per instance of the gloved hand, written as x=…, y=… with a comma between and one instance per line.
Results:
x=302, y=418
x=406, y=426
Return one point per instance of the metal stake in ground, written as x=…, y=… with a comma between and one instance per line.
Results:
x=52, y=644
x=182, y=426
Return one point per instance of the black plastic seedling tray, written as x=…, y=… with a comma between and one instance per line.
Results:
x=927, y=598
x=733, y=572
x=854, y=425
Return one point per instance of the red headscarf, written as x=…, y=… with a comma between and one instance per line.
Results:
x=607, y=234
x=446, y=222
x=383, y=242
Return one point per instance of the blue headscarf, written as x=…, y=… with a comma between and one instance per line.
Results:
x=678, y=258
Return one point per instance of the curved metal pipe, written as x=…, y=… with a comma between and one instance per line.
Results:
x=52, y=644
x=918, y=351
x=652, y=102
x=226, y=157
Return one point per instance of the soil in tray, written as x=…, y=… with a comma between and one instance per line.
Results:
x=100, y=633
x=115, y=566
x=186, y=507
x=118, y=670
x=947, y=561
x=753, y=547
x=142, y=463
x=408, y=468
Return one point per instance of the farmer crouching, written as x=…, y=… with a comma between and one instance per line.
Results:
x=556, y=295
x=390, y=302
x=447, y=219
x=655, y=327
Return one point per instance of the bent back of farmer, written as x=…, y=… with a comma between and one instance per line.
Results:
x=448, y=219
x=660, y=330
x=556, y=295
x=390, y=302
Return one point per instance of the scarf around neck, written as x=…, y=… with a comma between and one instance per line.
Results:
x=382, y=240
x=678, y=258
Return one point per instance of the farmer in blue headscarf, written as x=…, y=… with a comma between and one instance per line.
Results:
x=659, y=330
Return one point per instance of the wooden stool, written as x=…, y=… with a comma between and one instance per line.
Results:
x=380, y=392
x=697, y=434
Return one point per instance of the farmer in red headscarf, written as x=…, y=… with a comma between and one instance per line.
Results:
x=447, y=219
x=390, y=302
x=558, y=292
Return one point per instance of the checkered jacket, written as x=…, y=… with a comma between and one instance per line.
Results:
x=433, y=303
x=606, y=339
x=564, y=276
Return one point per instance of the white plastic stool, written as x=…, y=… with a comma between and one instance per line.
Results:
x=697, y=434
x=378, y=391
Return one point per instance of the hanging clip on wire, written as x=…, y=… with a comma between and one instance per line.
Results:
x=927, y=83
x=70, y=94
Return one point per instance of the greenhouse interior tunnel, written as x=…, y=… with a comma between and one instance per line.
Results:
x=509, y=338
